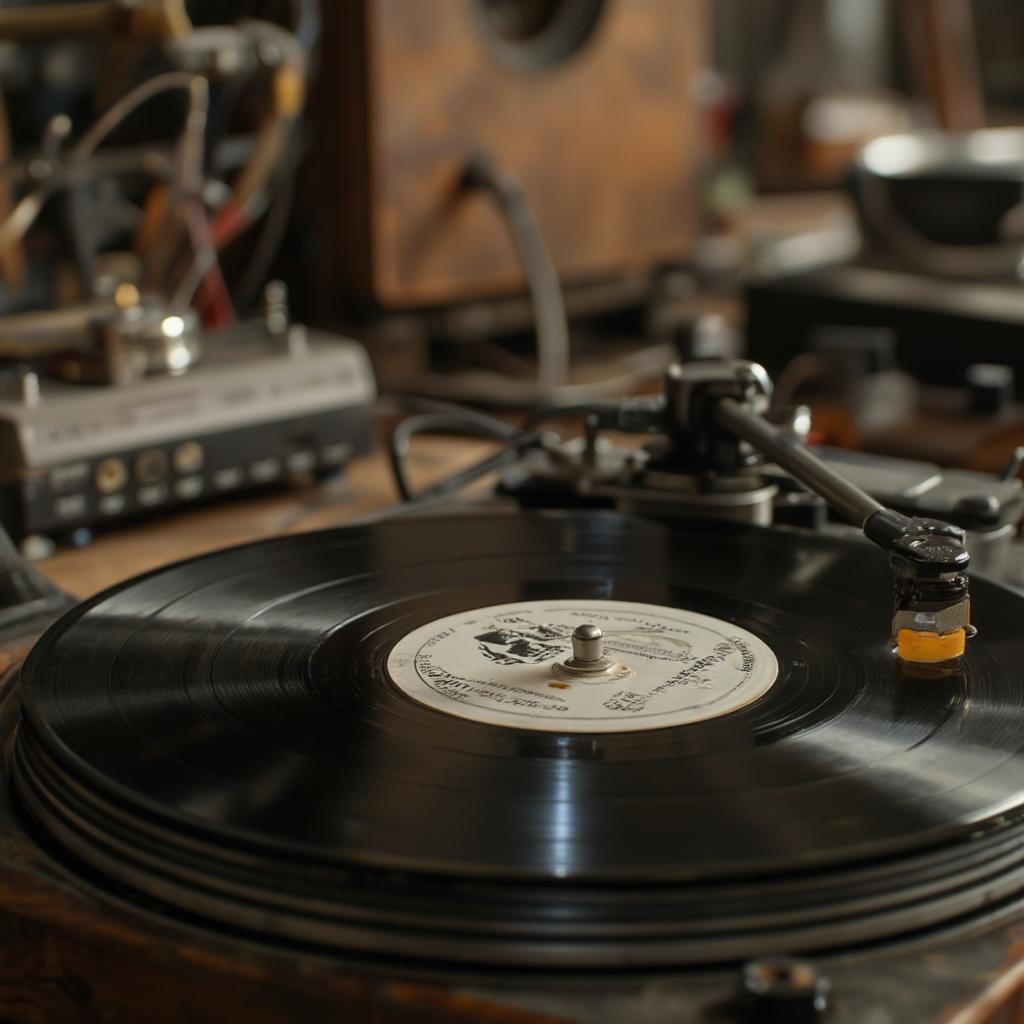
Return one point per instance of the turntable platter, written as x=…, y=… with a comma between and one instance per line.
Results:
x=351, y=738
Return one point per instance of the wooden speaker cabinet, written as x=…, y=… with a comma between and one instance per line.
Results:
x=588, y=103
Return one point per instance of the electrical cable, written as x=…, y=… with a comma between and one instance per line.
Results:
x=549, y=314
x=13, y=229
x=463, y=423
x=120, y=110
x=308, y=23
x=552, y=324
x=502, y=392
x=275, y=224
x=288, y=86
x=640, y=414
x=251, y=198
x=253, y=188
x=204, y=271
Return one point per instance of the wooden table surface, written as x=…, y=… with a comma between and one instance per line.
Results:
x=365, y=487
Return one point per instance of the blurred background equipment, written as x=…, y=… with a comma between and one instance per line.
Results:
x=139, y=217
x=514, y=204
x=938, y=201
x=166, y=422
x=473, y=148
x=943, y=226
x=586, y=104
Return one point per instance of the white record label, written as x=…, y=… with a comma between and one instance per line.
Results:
x=500, y=665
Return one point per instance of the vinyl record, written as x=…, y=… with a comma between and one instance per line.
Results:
x=361, y=739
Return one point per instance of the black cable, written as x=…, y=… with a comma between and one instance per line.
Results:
x=464, y=424
x=463, y=478
x=280, y=190
x=552, y=325
x=641, y=414
x=275, y=222
x=416, y=404
x=443, y=417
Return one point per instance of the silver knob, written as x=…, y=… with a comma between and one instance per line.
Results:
x=588, y=661
x=28, y=387
x=587, y=643
x=276, y=315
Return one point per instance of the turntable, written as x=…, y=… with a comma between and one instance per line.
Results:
x=549, y=766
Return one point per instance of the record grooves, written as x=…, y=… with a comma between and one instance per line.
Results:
x=224, y=736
